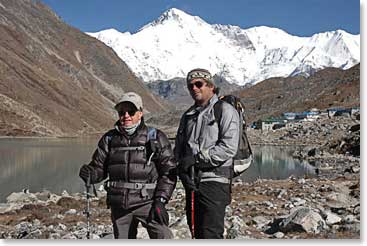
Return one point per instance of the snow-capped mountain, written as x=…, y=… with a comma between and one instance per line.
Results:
x=177, y=42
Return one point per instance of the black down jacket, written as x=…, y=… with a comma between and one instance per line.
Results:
x=112, y=160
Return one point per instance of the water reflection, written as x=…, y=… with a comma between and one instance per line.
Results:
x=53, y=164
x=38, y=164
x=276, y=162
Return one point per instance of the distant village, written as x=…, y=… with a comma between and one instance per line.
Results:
x=291, y=120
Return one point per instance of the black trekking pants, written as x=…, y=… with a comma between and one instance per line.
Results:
x=210, y=205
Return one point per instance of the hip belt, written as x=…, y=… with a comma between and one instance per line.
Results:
x=133, y=186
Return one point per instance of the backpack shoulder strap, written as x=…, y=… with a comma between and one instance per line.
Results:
x=152, y=134
x=218, y=108
x=154, y=146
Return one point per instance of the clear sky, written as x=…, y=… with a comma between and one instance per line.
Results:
x=297, y=17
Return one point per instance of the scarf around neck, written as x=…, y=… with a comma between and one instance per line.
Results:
x=131, y=129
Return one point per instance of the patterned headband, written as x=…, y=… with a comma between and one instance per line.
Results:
x=199, y=74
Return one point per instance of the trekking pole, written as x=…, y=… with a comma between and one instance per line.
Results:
x=192, y=205
x=87, y=210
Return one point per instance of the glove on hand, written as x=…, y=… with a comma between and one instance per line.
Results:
x=86, y=172
x=184, y=172
x=204, y=166
x=186, y=163
x=187, y=182
x=158, y=213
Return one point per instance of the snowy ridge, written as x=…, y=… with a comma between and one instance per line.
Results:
x=177, y=42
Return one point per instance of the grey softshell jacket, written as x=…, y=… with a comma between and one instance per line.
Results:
x=199, y=134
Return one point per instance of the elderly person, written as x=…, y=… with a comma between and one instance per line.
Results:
x=139, y=162
x=204, y=150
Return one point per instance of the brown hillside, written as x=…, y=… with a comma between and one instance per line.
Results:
x=56, y=80
x=327, y=88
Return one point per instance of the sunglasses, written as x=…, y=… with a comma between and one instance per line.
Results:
x=130, y=112
x=197, y=84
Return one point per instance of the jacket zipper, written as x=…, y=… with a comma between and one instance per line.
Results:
x=127, y=173
x=128, y=163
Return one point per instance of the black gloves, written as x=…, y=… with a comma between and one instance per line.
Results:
x=204, y=166
x=158, y=212
x=87, y=171
x=187, y=182
x=184, y=172
x=186, y=163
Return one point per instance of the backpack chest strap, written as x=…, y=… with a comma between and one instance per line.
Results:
x=132, y=148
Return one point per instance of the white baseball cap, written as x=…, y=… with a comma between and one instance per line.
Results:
x=130, y=97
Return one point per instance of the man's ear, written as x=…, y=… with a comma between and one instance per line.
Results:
x=211, y=86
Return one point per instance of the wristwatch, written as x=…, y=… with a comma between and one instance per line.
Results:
x=161, y=199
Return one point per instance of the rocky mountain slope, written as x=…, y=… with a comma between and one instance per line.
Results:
x=177, y=42
x=54, y=79
x=175, y=92
x=328, y=88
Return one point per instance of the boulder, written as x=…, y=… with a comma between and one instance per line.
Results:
x=7, y=207
x=68, y=202
x=21, y=197
x=303, y=220
x=338, y=200
x=260, y=221
x=331, y=218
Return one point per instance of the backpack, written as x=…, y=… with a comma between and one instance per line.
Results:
x=243, y=158
x=153, y=143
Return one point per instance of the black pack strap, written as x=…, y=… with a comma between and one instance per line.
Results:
x=218, y=108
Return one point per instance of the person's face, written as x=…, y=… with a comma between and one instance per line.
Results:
x=200, y=90
x=128, y=114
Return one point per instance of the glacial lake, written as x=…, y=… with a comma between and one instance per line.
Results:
x=53, y=164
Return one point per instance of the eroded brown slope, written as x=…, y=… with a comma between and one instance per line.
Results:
x=56, y=80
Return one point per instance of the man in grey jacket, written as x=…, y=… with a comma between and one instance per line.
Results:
x=205, y=147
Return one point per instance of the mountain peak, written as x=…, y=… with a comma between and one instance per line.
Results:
x=172, y=14
x=176, y=42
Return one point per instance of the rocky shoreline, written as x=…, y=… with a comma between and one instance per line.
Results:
x=322, y=207
x=290, y=209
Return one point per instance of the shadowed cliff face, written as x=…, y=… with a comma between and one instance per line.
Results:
x=56, y=80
